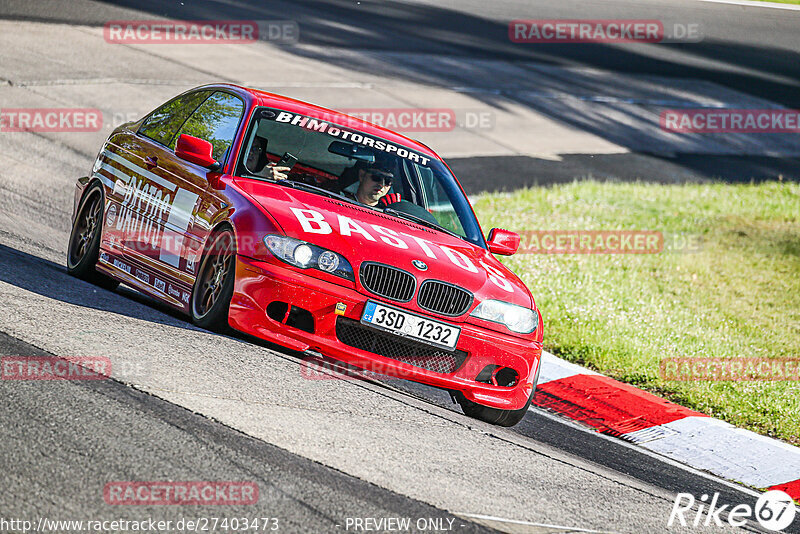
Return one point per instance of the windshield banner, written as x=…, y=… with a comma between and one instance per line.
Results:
x=319, y=125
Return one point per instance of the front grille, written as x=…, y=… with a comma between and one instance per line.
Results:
x=444, y=298
x=354, y=334
x=388, y=282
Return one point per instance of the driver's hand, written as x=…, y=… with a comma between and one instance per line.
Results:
x=389, y=199
x=277, y=173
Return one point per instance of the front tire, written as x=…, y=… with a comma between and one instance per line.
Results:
x=494, y=416
x=84, y=240
x=213, y=288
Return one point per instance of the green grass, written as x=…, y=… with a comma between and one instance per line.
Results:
x=737, y=296
x=782, y=1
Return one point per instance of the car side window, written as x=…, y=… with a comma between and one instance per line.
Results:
x=439, y=204
x=162, y=125
x=216, y=121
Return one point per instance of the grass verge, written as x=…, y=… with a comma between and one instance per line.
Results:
x=737, y=294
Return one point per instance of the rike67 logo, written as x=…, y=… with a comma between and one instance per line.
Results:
x=774, y=510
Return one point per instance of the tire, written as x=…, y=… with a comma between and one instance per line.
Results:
x=496, y=416
x=213, y=288
x=84, y=240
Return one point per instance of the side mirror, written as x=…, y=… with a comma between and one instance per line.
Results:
x=503, y=242
x=197, y=151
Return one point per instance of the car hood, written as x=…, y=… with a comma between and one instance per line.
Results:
x=361, y=234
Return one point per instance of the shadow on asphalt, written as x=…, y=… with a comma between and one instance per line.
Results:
x=49, y=279
x=518, y=172
x=403, y=33
x=27, y=272
x=404, y=28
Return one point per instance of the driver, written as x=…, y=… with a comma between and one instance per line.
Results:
x=374, y=182
x=257, y=161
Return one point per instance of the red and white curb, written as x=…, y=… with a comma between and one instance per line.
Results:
x=689, y=437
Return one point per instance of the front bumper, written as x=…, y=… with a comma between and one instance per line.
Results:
x=259, y=283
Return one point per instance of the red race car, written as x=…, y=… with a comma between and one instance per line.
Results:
x=316, y=231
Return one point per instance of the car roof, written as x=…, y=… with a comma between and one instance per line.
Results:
x=264, y=98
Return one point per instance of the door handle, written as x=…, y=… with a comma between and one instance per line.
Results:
x=151, y=162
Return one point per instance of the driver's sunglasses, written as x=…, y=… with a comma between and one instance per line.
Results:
x=382, y=177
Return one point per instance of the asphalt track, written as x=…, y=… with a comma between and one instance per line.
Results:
x=189, y=405
x=61, y=436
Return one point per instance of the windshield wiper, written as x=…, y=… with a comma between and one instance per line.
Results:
x=313, y=188
x=420, y=220
x=302, y=185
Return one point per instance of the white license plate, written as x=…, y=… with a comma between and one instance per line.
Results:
x=411, y=326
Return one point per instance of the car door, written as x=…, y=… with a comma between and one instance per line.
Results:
x=187, y=221
x=140, y=197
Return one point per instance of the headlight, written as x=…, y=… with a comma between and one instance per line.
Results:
x=302, y=255
x=515, y=318
x=308, y=256
x=328, y=261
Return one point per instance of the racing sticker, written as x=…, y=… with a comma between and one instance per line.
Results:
x=167, y=288
x=153, y=212
x=192, y=257
x=173, y=291
x=179, y=216
x=143, y=276
x=333, y=130
x=145, y=202
x=111, y=217
x=121, y=266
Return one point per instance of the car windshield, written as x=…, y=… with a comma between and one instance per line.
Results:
x=339, y=159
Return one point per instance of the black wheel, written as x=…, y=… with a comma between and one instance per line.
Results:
x=84, y=240
x=213, y=289
x=496, y=416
